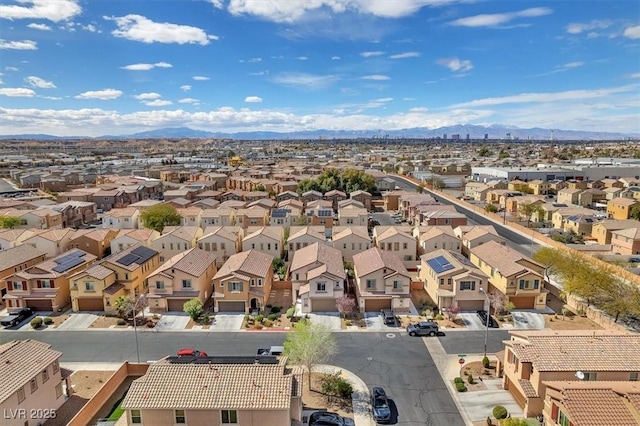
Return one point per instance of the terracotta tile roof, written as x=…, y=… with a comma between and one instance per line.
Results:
x=96, y=271
x=325, y=256
x=597, y=407
x=186, y=233
x=611, y=224
x=193, y=262
x=17, y=255
x=478, y=232
x=573, y=351
x=218, y=231
x=436, y=231
x=251, y=262
x=374, y=259
x=623, y=201
x=633, y=233
x=212, y=386
x=21, y=361
x=54, y=235
x=527, y=388
x=340, y=232
x=113, y=288
x=299, y=231
x=381, y=233
x=124, y=212
x=45, y=269
x=501, y=257
x=219, y=212
x=137, y=234
x=273, y=232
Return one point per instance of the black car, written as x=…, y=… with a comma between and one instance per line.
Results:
x=327, y=418
x=17, y=317
x=388, y=317
x=483, y=315
x=380, y=404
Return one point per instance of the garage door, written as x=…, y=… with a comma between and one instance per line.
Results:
x=323, y=305
x=523, y=302
x=176, y=304
x=470, y=305
x=90, y=304
x=374, y=305
x=39, y=304
x=515, y=392
x=231, y=306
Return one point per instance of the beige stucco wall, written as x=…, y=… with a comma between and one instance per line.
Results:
x=213, y=417
x=78, y=288
x=351, y=245
x=263, y=244
x=224, y=248
x=442, y=241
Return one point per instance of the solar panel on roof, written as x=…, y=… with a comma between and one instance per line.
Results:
x=68, y=257
x=325, y=213
x=145, y=253
x=128, y=259
x=439, y=264
x=63, y=267
x=279, y=213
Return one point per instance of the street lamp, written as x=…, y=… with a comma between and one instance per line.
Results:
x=486, y=330
x=142, y=297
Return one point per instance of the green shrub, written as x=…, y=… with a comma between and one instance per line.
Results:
x=514, y=422
x=259, y=318
x=460, y=387
x=268, y=323
x=276, y=309
x=246, y=317
x=36, y=322
x=485, y=362
x=458, y=380
x=348, y=323
x=48, y=320
x=470, y=379
x=439, y=317
x=334, y=385
x=121, y=321
x=272, y=317
x=290, y=312
x=499, y=412
x=194, y=308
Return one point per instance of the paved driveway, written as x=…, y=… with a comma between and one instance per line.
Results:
x=78, y=321
x=172, y=321
x=227, y=322
x=471, y=320
x=479, y=405
x=375, y=323
x=527, y=319
x=330, y=319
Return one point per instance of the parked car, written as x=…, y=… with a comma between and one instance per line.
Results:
x=272, y=351
x=17, y=317
x=423, y=328
x=380, y=404
x=388, y=317
x=327, y=418
x=483, y=315
x=191, y=352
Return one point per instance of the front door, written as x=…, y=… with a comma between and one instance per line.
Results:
x=255, y=304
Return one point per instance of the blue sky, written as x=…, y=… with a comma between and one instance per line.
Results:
x=95, y=67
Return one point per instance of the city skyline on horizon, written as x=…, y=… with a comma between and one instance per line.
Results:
x=77, y=68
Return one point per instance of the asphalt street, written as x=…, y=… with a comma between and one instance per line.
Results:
x=401, y=364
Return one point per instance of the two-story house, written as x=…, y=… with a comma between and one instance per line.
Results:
x=532, y=358
x=303, y=236
x=184, y=277
x=320, y=213
x=335, y=196
x=16, y=259
x=176, y=240
x=126, y=218
x=473, y=236
x=519, y=278
x=255, y=216
x=53, y=241
x=94, y=241
x=88, y=286
x=439, y=237
x=243, y=282
x=364, y=197
x=449, y=278
x=218, y=217
x=620, y=208
x=351, y=240
x=45, y=286
x=352, y=216
x=269, y=240
x=398, y=240
x=626, y=241
x=130, y=237
x=221, y=242
x=382, y=281
x=13, y=237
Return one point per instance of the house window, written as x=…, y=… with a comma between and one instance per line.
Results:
x=371, y=283
x=222, y=246
x=136, y=417
x=46, y=284
x=259, y=282
x=160, y=285
x=58, y=390
x=397, y=285
x=21, y=396
x=449, y=281
x=88, y=286
x=467, y=285
x=229, y=417
x=45, y=375
x=563, y=420
x=180, y=416
x=633, y=376
x=56, y=367
x=235, y=286
x=405, y=246
x=590, y=376
x=321, y=287
x=34, y=385
x=253, y=282
x=186, y=283
x=441, y=281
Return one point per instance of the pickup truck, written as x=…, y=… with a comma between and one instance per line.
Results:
x=272, y=351
x=16, y=318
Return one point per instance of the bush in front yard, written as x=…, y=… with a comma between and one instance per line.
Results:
x=458, y=380
x=275, y=309
x=334, y=385
x=470, y=379
x=272, y=317
x=499, y=412
x=259, y=318
x=485, y=362
x=460, y=387
x=48, y=320
x=290, y=312
x=121, y=321
x=36, y=322
x=193, y=308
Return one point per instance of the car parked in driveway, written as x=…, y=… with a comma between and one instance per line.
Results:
x=380, y=404
x=192, y=352
x=388, y=317
x=423, y=328
x=327, y=418
x=484, y=316
x=16, y=317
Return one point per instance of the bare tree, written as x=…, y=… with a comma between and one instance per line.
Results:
x=345, y=305
x=497, y=301
x=452, y=311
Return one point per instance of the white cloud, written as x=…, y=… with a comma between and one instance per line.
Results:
x=265, y=72
x=140, y=28
x=405, y=55
x=147, y=96
x=56, y=11
x=189, y=101
x=217, y=4
x=104, y=94
x=253, y=99
x=372, y=53
x=73, y=26
x=51, y=98
x=17, y=92
x=455, y=64
x=575, y=64
x=18, y=45
x=497, y=19
x=632, y=32
x=40, y=83
x=251, y=61
x=306, y=81
x=146, y=67
x=335, y=58
x=376, y=77
x=635, y=75
x=157, y=103
x=408, y=99
x=185, y=87
x=200, y=78
x=596, y=24
x=302, y=58
x=11, y=69
x=41, y=27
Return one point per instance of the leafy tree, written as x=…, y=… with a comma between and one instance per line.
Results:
x=620, y=298
x=484, y=152
x=347, y=180
x=301, y=221
x=260, y=187
x=345, y=305
x=349, y=267
x=10, y=222
x=527, y=210
x=124, y=306
x=309, y=344
x=279, y=267
x=491, y=208
x=550, y=258
x=437, y=183
x=159, y=216
x=194, y=308
x=635, y=212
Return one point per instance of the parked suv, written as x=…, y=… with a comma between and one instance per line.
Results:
x=423, y=328
x=484, y=316
x=17, y=317
x=388, y=317
x=326, y=418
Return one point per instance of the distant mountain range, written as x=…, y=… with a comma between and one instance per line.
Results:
x=495, y=131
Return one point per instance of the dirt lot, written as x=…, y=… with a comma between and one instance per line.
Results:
x=106, y=322
x=556, y=322
x=57, y=320
x=315, y=400
x=281, y=322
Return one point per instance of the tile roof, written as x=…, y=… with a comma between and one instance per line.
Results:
x=527, y=388
x=299, y=231
x=597, y=407
x=273, y=232
x=383, y=232
x=633, y=233
x=96, y=271
x=577, y=350
x=340, y=232
x=501, y=257
x=212, y=386
x=45, y=269
x=124, y=212
x=374, y=259
x=17, y=255
x=54, y=235
x=328, y=258
x=251, y=262
x=436, y=231
x=21, y=361
x=193, y=262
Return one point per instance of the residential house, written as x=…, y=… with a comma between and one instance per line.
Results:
x=76, y=213
x=439, y=237
x=107, y=199
x=206, y=203
x=382, y=281
x=253, y=196
x=184, y=277
x=450, y=279
x=130, y=237
x=351, y=240
x=620, y=208
x=398, y=240
x=626, y=241
x=218, y=217
x=179, y=203
x=353, y=216
x=88, y=289
x=362, y=196
x=335, y=197
x=54, y=242
x=222, y=242
x=126, y=218
x=94, y=241
x=392, y=200
x=286, y=186
x=319, y=213
x=518, y=277
x=628, y=182
x=580, y=224
x=287, y=195
x=16, y=259
x=318, y=277
x=612, y=183
x=283, y=217
x=533, y=358
x=268, y=239
x=176, y=239
x=479, y=234
x=31, y=379
x=560, y=216
x=612, y=192
x=255, y=216
x=310, y=196
x=219, y=391
x=243, y=282
x=13, y=237
x=190, y=216
x=592, y=197
x=45, y=285
x=538, y=187
x=476, y=191
x=569, y=195
x=602, y=230
x=303, y=236
x=444, y=217
x=265, y=203
x=350, y=202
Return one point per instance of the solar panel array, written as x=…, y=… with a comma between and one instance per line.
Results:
x=439, y=264
x=138, y=255
x=325, y=213
x=68, y=261
x=279, y=212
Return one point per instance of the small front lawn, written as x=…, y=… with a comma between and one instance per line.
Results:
x=315, y=399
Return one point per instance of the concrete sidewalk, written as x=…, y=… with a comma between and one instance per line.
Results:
x=361, y=397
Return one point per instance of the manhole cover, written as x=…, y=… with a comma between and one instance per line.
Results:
x=369, y=358
x=391, y=335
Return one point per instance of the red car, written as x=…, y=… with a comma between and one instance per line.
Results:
x=191, y=352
